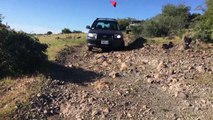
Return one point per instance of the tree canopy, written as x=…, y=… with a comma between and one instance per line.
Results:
x=1, y=17
x=171, y=21
x=66, y=31
x=204, y=27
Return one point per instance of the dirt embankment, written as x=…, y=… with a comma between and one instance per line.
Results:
x=144, y=82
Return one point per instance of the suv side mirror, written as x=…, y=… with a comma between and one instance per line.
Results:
x=88, y=27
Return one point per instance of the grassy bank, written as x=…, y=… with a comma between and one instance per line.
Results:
x=19, y=90
x=57, y=42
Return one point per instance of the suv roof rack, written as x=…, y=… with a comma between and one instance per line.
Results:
x=112, y=19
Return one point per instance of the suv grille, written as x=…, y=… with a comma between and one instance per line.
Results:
x=105, y=37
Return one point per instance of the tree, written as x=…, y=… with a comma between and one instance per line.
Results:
x=177, y=16
x=66, y=31
x=172, y=20
x=1, y=19
x=2, y=26
x=77, y=31
x=208, y=15
x=204, y=28
x=49, y=33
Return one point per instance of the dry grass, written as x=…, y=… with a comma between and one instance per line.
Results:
x=205, y=79
x=13, y=91
x=162, y=40
x=156, y=40
x=57, y=42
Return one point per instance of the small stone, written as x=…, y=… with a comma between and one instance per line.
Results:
x=110, y=60
x=123, y=66
x=70, y=66
x=51, y=111
x=119, y=61
x=106, y=110
x=39, y=95
x=197, y=108
x=114, y=74
x=160, y=66
x=119, y=93
x=200, y=69
x=182, y=95
x=95, y=112
x=45, y=112
x=129, y=115
x=157, y=76
x=105, y=64
x=150, y=80
x=144, y=107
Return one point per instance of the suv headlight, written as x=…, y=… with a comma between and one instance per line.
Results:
x=118, y=36
x=91, y=36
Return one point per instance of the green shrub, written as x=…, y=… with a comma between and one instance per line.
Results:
x=77, y=31
x=137, y=30
x=204, y=36
x=1, y=17
x=204, y=26
x=172, y=21
x=49, y=33
x=66, y=31
x=20, y=53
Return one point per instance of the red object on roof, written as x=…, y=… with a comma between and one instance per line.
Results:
x=114, y=3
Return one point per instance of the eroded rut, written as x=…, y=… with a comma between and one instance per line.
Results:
x=147, y=83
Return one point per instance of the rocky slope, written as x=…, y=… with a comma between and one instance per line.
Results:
x=148, y=83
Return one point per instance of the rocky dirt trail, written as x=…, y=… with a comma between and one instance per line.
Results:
x=147, y=83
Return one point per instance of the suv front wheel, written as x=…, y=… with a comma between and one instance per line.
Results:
x=122, y=46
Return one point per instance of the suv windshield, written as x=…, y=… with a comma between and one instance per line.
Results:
x=105, y=25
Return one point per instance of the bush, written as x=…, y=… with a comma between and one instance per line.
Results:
x=137, y=31
x=77, y=31
x=171, y=21
x=1, y=17
x=49, y=33
x=1, y=25
x=204, y=27
x=66, y=31
x=20, y=53
x=204, y=36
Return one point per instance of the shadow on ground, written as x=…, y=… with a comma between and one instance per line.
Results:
x=136, y=44
x=59, y=72
x=132, y=45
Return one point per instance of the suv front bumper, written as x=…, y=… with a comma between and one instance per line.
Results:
x=116, y=43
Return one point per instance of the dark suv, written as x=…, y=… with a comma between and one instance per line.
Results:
x=105, y=33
